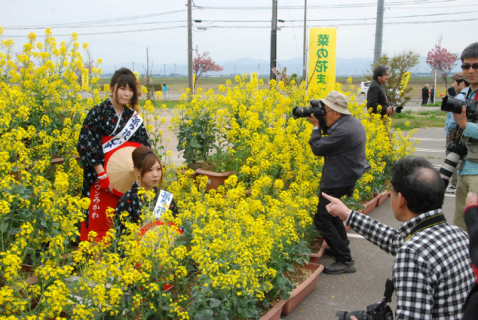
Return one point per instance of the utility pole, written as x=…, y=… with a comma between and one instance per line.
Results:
x=133, y=66
x=165, y=69
x=304, y=67
x=174, y=69
x=190, y=47
x=274, y=38
x=147, y=67
x=378, y=32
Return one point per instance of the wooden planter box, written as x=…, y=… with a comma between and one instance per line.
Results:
x=302, y=291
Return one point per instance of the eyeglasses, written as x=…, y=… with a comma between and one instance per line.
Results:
x=467, y=66
x=388, y=188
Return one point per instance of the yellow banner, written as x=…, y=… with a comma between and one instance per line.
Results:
x=194, y=82
x=136, y=74
x=404, y=82
x=85, y=78
x=322, y=59
x=253, y=76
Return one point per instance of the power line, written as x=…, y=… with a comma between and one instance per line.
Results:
x=94, y=21
x=349, y=5
x=98, y=33
x=252, y=27
x=99, y=26
x=247, y=21
x=348, y=24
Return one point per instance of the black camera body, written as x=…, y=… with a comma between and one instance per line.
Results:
x=316, y=108
x=450, y=104
x=456, y=149
x=376, y=311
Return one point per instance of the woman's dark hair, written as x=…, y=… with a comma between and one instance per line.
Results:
x=421, y=185
x=123, y=77
x=143, y=159
x=379, y=71
x=470, y=52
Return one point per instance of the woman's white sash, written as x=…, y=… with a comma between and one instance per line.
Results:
x=129, y=129
x=162, y=204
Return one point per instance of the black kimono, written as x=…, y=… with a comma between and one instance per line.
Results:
x=102, y=121
x=131, y=203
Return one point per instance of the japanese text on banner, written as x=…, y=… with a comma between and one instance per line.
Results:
x=322, y=59
x=85, y=73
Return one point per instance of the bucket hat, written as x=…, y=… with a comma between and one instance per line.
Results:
x=337, y=102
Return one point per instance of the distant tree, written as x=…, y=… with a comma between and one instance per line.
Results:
x=147, y=79
x=440, y=59
x=283, y=76
x=202, y=64
x=398, y=66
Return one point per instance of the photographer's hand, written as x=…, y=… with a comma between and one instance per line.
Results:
x=313, y=120
x=390, y=111
x=336, y=207
x=460, y=118
x=471, y=199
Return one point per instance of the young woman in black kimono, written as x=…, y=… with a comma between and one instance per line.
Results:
x=149, y=171
x=106, y=123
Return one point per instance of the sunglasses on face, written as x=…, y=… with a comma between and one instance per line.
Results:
x=467, y=66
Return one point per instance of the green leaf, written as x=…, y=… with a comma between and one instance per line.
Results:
x=194, y=143
x=204, y=315
x=223, y=315
x=214, y=303
x=284, y=295
x=14, y=231
x=3, y=227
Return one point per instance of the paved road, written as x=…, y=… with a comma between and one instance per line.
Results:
x=355, y=291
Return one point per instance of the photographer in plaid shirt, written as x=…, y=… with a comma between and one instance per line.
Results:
x=432, y=272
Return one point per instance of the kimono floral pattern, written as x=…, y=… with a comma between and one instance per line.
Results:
x=131, y=203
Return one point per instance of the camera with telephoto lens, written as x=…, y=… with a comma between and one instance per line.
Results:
x=450, y=104
x=316, y=107
x=455, y=148
x=456, y=153
x=397, y=109
x=376, y=311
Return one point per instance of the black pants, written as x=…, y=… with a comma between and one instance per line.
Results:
x=424, y=101
x=332, y=228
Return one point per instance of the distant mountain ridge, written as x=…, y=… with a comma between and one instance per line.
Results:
x=345, y=67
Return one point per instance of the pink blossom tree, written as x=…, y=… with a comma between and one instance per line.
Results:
x=203, y=64
x=440, y=59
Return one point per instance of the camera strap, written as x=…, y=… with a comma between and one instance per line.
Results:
x=427, y=223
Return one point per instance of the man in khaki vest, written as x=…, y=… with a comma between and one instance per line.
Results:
x=468, y=173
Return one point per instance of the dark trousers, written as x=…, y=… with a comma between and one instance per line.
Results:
x=332, y=228
x=424, y=101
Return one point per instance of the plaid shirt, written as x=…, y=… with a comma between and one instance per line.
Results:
x=432, y=272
